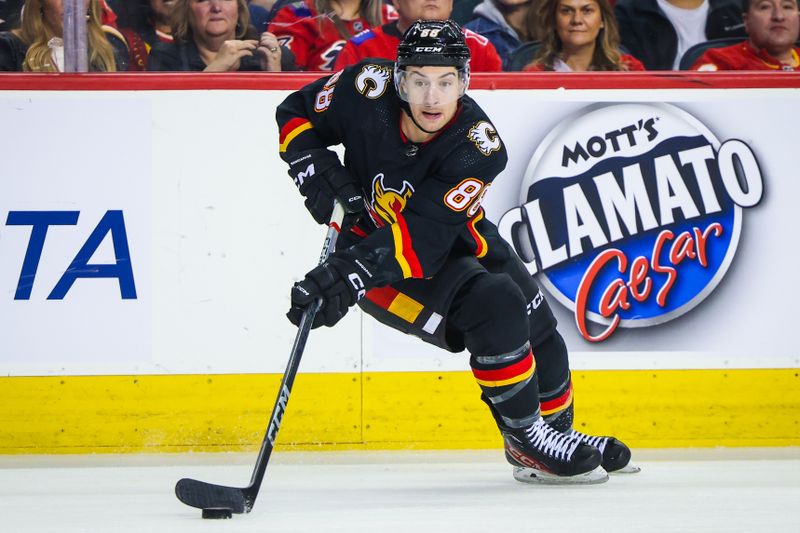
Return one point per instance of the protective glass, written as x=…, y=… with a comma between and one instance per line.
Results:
x=432, y=86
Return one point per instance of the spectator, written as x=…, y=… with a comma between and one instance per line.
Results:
x=382, y=41
x=658, y=32
x=315, y=30
x=215, y=36
x=38, y=46
x=578, y=36
x=504, y=23
x=773, y=27
x=143, y=23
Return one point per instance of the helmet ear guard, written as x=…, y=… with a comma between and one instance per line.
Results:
x=437, y=43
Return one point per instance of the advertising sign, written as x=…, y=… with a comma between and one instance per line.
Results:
x=631, y=213
x=75, y=234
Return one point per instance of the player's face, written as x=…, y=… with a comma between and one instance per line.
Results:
x=214, y=18
x=412, y=10
x=433, y=94
x=578, y=22
x=773, y=24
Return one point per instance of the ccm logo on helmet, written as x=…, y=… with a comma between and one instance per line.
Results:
x=434, y=49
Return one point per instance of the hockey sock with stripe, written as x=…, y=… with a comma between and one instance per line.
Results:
x=509, y=385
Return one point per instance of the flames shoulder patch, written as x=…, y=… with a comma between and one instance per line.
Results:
x=485, y=138
x=373, y=80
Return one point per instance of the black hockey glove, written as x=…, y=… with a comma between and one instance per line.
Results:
x=340, y=283
x=322, y=188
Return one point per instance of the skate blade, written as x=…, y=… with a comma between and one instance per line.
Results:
x=627, y=469
x=532, y=475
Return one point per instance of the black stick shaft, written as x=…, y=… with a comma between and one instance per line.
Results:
x=268, y=444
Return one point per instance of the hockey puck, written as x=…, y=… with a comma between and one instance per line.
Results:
x=216, y=514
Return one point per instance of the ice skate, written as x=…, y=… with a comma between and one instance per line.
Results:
x=541, y=454
x=616, y=455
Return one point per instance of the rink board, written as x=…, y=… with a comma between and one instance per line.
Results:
x=384, y=410
x=182, y=347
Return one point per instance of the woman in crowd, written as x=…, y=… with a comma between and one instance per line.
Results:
x=577, y=36
x=38, y=46
x=316, y=30
x=215, y=36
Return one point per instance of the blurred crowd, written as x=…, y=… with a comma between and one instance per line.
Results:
x=324, y=35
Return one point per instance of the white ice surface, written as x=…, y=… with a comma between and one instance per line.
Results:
x=723, y=490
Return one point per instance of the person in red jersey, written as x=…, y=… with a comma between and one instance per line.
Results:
x=578, y=36
x=316, y=30
x=383, y=41
x=773, y=27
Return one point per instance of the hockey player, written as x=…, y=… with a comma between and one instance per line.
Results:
x=418, y=253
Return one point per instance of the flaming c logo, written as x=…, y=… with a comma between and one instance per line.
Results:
x=387, y=203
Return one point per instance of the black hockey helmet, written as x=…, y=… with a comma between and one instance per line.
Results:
x=434, y=43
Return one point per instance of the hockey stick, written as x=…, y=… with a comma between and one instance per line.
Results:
x=219, y=501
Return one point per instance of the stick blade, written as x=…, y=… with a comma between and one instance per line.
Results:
x=204, y=495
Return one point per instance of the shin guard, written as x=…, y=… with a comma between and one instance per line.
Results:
x=509, y=385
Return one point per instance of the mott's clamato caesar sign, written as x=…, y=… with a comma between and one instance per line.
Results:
x=631, y=214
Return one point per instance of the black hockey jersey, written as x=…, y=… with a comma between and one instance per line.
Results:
x=422, y=201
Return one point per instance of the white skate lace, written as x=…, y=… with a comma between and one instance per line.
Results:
x=555, y=444
x=597, y=442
